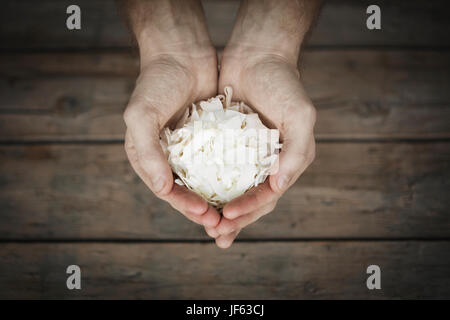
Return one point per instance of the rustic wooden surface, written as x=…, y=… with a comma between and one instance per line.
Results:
x=358, y=94
x=376, y=193
x=288, y=270
x=26, y=25
x=352, y=190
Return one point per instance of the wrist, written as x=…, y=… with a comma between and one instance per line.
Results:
x=276, y=27
x=254, y=52
x=196, y=64
x=152, y=47
x=168, y=27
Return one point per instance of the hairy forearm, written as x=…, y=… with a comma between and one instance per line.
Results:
x=277, y=26
x=167, y=26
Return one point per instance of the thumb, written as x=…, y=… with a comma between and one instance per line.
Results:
x=296, y=155
x=143, y=147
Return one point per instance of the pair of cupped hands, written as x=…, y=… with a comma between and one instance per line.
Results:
x=171, y=81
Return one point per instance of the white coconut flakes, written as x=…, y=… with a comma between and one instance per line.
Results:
x=220, y=149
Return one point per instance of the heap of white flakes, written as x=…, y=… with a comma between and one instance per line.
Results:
x=220, y=149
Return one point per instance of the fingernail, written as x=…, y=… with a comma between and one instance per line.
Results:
x=158, y=184
x=282, y=182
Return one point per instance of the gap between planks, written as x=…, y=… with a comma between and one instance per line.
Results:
x=265, y=240
x=85, y=141
x=133, y=49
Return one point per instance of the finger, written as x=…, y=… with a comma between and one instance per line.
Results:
x=296, y=155
x=192, y=206
x=143, y=131
x=212, y=232
x=180, y=198
x=250, y=201
x=210, y=218
x=227, y=226
x=226, y=241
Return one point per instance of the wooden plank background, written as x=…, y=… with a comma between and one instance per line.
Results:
x=352, y=190
x=376, y=193
x=287, y=270
x=358, y=94
x=26, y=25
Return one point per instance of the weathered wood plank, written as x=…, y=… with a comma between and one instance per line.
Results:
x=104, y=63
x=358, y=94
x=387, y=190
x=24, y=24
x=294, y=270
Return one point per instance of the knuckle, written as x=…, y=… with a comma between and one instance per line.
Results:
x=160, y=194
x=272, y=206
x=268, y=208
x=211, y=232
x=300, y=155
x=305, y=115
x=138, y=111
x=232, y=226
x=254, y=197
x=307, y=112
x=311, y=110
x=129, y=115
x=227, y=227
x=312, y=156
x=130, y=151
x=146, y=162
x=176, y=207
x=128, y=145
x=173, y=206
x=163, y=196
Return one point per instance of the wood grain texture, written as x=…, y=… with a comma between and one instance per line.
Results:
x=358, y=94
x=378, y=198
x=352, y=190
x=25, y=25
x=294, y=270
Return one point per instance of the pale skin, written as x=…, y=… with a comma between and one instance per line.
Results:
x=179, y=66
